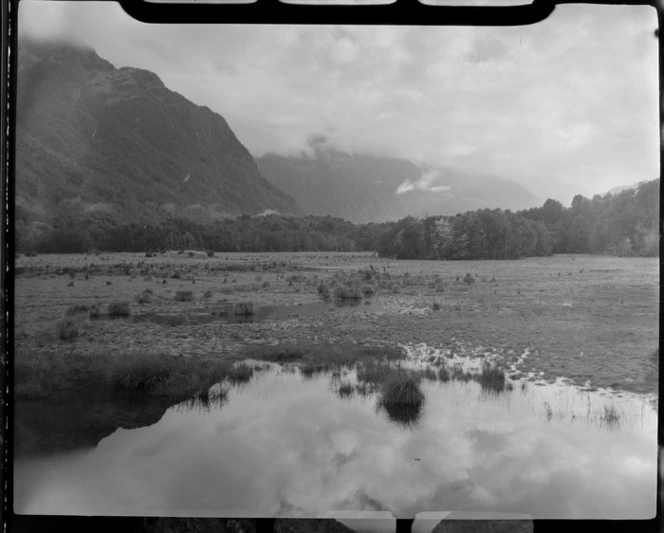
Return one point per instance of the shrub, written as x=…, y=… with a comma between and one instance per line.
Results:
x=401, y=388
x=119, y=309
x=184, y=296
x=67, y=329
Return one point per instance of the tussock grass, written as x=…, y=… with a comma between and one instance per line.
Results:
x=345, y=389
x=144, y=297
x=443, y=374
x=430, y=374
x=309, y=370
x=119, y=309
x=367, y=290
x=76, y=309
x=347, y=293
x=178, y=378
x=374, y=372
x=239, y=374
x=184, y=296
x=67, y=329
x=278, y=353
x=402, y=388
x=243, y=308
x=491, y=378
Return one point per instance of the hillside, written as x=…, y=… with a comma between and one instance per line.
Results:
x=363, y=188
x=111, y=142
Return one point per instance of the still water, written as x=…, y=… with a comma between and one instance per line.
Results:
x=286, y=446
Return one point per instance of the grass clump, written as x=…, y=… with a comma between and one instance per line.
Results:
x=67, y=329
x=402, y=388
x=280, y=353
x=345, y=389
x=347, y=293
x=144, y=297
x=309, y=370
x=491, y=378
x=119, y=309
x=367, y=290
x=240, y=374
x=610, y=416
x=184, y=296
x=76, y=309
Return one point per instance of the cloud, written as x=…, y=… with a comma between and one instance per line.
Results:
x=425, y=183
x=537, y=104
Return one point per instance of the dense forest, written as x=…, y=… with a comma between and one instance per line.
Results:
x=623, y=224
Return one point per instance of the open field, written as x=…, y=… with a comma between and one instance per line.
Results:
x=591, y=319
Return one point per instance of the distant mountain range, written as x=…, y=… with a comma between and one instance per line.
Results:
x=116, y=144
x=363, y=188
x=95, y=138
x=621, y=188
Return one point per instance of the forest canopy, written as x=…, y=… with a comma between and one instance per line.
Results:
x=622, y=224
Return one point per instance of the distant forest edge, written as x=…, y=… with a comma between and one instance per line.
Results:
x=625, y=224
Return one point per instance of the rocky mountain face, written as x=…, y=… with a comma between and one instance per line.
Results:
x=363, y=188
x=92, y=138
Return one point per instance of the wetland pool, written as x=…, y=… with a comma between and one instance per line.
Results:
x=283, y=445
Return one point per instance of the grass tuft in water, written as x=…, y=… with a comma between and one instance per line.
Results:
x=240, y=374
x=491, y=378
x=401, y=388
x=345, y=389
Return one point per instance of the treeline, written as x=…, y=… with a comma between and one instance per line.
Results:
x=622, y=224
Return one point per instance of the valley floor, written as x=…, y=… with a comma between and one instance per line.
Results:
x=591, y=319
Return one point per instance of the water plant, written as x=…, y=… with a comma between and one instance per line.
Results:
x=491, y=378
x=345, y=389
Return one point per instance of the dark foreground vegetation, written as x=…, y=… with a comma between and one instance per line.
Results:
x=624, y=224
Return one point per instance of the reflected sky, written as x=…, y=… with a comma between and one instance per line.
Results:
x=284, y=446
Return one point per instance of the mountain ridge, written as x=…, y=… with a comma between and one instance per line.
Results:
x=90, y=134
x=369, y=188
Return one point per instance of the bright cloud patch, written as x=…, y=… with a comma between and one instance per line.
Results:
x=425, y=183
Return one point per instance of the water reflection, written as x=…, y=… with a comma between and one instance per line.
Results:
x=284, y=446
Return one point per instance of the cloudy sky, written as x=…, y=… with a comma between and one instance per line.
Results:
x=565, y=106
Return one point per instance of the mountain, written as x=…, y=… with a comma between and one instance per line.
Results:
x=363, y=188
x=621, y=188
x=116, y=142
